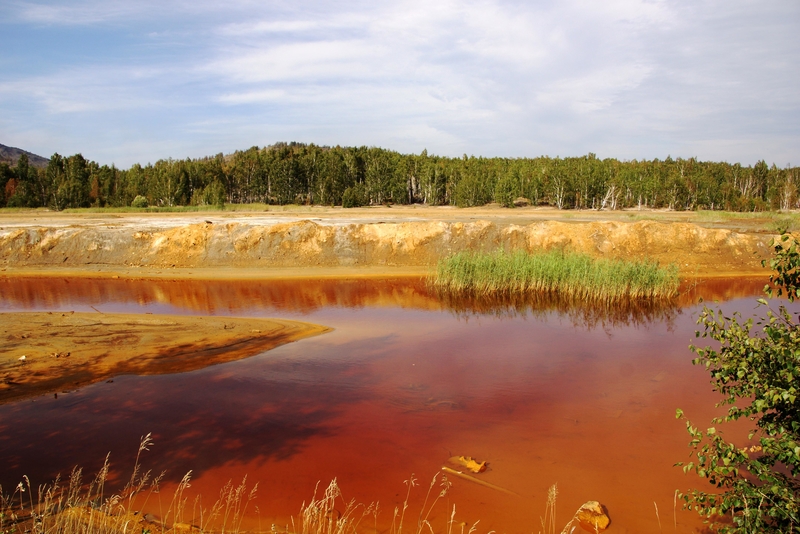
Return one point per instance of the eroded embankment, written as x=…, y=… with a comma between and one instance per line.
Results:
x=421, y=243
x=50, y=352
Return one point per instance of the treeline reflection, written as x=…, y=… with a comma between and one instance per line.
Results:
x=305, y=296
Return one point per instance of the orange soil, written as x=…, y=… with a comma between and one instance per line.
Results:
x=49, y=352
x=325, y=242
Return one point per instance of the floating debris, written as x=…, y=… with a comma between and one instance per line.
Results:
x=470, y=463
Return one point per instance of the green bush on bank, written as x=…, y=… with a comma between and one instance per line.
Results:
x=756, y=483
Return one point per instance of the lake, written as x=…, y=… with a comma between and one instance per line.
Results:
x=545, y=392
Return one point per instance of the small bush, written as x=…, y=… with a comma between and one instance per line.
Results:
x=757, y=484
x=214, y=195
x=139, y=202
x=354, y=197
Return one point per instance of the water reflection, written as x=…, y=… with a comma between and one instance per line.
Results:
x=208, y=297
x=211, y=297
x=604, y=315
x=198, y=420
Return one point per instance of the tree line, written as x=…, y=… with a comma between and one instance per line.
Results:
x=296, y=173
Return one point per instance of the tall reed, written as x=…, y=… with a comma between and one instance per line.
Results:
x=569, y=274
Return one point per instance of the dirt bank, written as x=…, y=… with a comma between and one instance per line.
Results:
x=51, y=352
x=258, y=245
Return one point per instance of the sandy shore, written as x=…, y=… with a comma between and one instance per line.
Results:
x=42, y=353
x=740, y=222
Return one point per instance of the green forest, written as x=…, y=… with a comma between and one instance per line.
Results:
x=297, y=173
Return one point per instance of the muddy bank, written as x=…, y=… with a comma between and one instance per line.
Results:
x=260, y=245
x=52, y=352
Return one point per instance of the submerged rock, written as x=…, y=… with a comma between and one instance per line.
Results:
x=593, y=517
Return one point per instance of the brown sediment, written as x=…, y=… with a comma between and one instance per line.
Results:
x=264, y=246
x=52, y=351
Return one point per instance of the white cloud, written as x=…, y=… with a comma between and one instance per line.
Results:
x=596, y=90
x=475, y=76
x=80, y=90
x=454, y=51
x=249, y=97
x=313, y=60
x=241, y=29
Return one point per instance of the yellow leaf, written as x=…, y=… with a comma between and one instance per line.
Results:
x=470, y=463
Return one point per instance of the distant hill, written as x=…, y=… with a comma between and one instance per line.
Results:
x=10, y=155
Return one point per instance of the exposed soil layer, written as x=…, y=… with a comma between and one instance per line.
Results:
x=50, y=352
x=257, y=244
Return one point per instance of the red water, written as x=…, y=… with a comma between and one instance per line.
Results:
x=545, y=394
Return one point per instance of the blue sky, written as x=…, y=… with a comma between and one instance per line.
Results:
x=136, y=81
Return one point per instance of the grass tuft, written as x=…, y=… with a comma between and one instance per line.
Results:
x=573, y=275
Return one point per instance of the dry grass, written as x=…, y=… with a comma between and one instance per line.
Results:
x=549, y=519
x=79, y=508
x=321, y=515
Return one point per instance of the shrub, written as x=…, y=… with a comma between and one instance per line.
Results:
x=505, y=191
x=353, y=197
x=214, y=194
x=759, y=376
x=139, y=202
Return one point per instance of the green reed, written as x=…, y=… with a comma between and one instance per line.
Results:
x=557, y=272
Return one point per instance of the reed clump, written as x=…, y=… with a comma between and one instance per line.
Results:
x=574, y=275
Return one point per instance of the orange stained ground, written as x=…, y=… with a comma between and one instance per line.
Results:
x=545, y=393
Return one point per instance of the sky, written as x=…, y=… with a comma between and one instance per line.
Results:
x=140, y=80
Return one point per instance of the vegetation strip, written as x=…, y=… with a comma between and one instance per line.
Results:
x=297, y=173
x=555, y=272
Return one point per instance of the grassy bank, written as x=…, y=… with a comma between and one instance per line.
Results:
x=567, y=274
